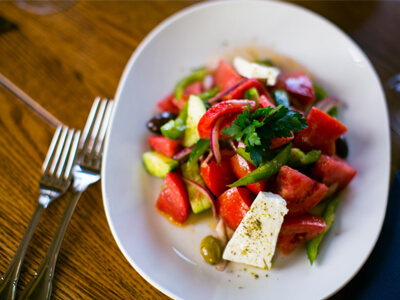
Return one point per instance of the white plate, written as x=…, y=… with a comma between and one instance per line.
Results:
x=168, y=256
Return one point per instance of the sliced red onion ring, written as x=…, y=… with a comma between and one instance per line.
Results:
x=205, y=192
x=214, y=143
x=226, y=91
x=183, y=153
x=222, y=235
x=207, y=159
x=327, y=104
x=220, y=230
x=233, y=144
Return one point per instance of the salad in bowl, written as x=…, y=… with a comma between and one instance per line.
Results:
x=259, y=146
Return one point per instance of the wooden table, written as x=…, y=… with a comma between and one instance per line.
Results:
x=63, y=61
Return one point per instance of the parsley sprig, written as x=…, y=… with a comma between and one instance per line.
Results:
x=256, y=129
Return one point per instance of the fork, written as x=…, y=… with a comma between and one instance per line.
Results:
x=85, y=172
x=54, y=182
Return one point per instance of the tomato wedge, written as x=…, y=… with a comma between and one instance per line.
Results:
x=278, y=142
x=225, y=75
x=217, y=176
x=233, y=204
x=300, y=191
x=167, y=104
x=164, y=145
x=174, y=200
x=266, y=100
x=296, y=231
x=227, y=109
x=334, y=172
x=321, y=133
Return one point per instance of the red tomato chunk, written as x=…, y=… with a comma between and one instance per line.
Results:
x=296, y=231
x=217, y=176
x=300, y=191
x=334, y=172
x=233, y=204
x=167, y=104
x=266, y=100
x=321, y=133
x=225, y=75
x=164, y=145
x=174, y=200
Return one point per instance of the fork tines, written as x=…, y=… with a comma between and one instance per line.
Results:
x=92, y=138
x=60, y=156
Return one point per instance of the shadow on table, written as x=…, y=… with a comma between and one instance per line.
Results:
x=380, y=276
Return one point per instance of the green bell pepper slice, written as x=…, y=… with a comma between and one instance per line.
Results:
x=329, y=216
x=252, y=94
x=174, y=129
x=206, y=95
x=198, y=150
x=246, y=155
x=298, y=158
x=184, y=82
x=265, y=170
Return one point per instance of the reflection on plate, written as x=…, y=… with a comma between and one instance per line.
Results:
x=168, y=256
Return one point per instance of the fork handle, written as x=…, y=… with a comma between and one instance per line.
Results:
x=41, y=285
x=8, y=283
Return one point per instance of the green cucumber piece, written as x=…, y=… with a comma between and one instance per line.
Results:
x=196, y=109
x=158, y=164
x=198, y=201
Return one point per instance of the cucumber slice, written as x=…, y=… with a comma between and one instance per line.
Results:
x=198, y=201
x=158, y=164
x=196, y=109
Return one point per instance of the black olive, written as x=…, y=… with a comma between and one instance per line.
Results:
x=154, y=125
x=342, y=149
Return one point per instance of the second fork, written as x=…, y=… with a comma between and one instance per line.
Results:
x=54, y=182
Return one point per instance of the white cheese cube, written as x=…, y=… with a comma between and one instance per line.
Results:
x=254, y=70
x=254, y=241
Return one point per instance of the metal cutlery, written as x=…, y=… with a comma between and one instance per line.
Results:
x=85, y=171
x=54, y=182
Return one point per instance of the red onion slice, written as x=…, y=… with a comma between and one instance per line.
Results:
x=226, y=92
x=205, y=192
x=327, y=104
x=206, y=161
x=222, y=235
x=183, y=153
x=214, y=143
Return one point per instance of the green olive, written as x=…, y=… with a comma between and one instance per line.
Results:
x=210, y=249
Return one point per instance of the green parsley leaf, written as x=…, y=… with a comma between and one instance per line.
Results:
x=257, y=129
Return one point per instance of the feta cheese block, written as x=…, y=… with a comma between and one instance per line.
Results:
x=253, y=70
x=254, y=241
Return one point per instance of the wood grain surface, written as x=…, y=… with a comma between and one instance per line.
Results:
x=63, y=61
